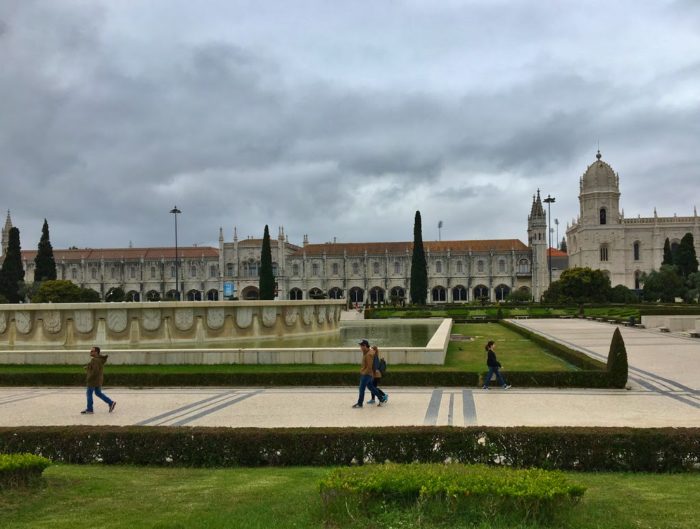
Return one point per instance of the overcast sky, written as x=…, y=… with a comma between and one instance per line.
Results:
x=338, y=118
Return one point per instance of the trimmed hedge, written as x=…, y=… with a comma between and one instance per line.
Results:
x=18, y=470
x=585, y=449
x=448, y=491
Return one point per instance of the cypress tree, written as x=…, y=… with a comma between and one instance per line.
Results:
x=617, y=360
x=668, y=254
x=12, y=273
x=686, y=260
x=45, y=265
x=562, y=246
x=419, y=268
x=267, y=279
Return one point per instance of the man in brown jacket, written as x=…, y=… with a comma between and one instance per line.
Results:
x=366, y=374
x=95, y=378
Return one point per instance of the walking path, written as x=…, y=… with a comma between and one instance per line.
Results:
x=664, y=375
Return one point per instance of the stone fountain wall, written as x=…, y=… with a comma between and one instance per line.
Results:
x=169, y=323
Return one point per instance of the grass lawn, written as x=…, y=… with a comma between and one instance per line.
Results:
x=113, y=497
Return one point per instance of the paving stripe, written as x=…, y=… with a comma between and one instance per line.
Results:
x=468, y=407
x=174, y=417
x=36, y=395
x=450, y=413
x=431, y=414
x=217, y=408
x=183, y=408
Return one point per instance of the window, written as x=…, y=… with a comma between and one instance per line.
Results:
x=212, y=271
x=229, y=269
x=94, y=273
x=114, y=273
x=193, y=271
x=438, y=267
x=460, y=267
x=523, y=266
x=355, y=268
x=501, y=266
x=132, y=272
x=459, y=293
x=397, y=267
x=636, y=250
x=153, y=272
x=479, y=266
x=295, y=272
x=314, y=269
x=375, y=268
x=172, y=271
x=438, y=294
x=603, y=216
x=295, y=293
x=274, y=269
x=637, y=279
x=603, y=252
x=336, y=269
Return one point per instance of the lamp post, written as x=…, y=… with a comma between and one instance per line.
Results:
x=556, y=223
x=175, y=212
x=549, y=201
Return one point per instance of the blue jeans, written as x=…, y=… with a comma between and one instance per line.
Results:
x=98, y=392
x=493, y=370
x=366, y=381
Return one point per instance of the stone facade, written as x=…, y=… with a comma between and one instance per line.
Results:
x=624, y=248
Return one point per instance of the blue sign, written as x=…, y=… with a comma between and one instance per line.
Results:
x=229, y=289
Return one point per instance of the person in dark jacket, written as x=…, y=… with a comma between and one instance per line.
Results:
x=383, y=397
x=95, y=378
x=494, y=365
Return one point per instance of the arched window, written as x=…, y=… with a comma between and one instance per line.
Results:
x=376, y=294
x=229, y=269
x=398, y=293
x=193, y=273
x=336, y=269
x=94, y=273
x=459, y=293
x=132, y=272
x=172, y=271
x=637, y=280
x=439, y=294
x=397, y=267
x=635, y=248
x=603, y=216
x=502, y=291
x=355, y=268
x=295, y=272
x=375, y=268
x=357, y=294
x=213, y=295
x=153, y=272
x=604, y=252
x=438, y=267
x=501, y=266
x=460, y=267
x=480, y=266
x=335, y=293
x=523, y=266
x=316, y=293
x=314, y=269
x=481, y=292
x=295, y=294
x=212, y=271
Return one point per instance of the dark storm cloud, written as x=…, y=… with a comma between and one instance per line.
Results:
x=109, y=117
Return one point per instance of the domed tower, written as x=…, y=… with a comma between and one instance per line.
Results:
x=537, y=241
x=599, y=195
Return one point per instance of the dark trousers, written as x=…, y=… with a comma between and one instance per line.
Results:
x=499, y=377
x=380, y=393
x=366, y=382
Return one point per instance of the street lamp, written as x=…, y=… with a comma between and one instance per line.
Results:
x=556, y=223
x=549, y=201
x=175, y=212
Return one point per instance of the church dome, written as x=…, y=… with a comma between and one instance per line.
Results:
x=599, y=175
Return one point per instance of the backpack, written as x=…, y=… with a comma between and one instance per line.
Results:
x=382, y=366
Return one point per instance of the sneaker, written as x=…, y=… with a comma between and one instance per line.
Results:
x=485, y=387
x=371, y=401
x=111, y=406
x=87, y=412
x=357, y=405
x=385, y=399
x=507, y=386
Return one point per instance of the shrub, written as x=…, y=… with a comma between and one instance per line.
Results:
x=617, y=360
x=21, y=469
x=474, y=491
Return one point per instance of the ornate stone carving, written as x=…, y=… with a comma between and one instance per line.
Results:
x=52, y=321
x=83, y=321
x=116, y=320
x=184, y=318
x=3, y=322
x=307, y=315
x=269, y=316
x=244, y=317
x=215, y=318
x=330, y=316
x=151, y=319
x=290, y=315
x=23, y=321
x=321, y=314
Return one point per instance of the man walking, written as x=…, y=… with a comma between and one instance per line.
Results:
x=95, y=378
x=366, y=374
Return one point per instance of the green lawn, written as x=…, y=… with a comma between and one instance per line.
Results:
x=113, y=497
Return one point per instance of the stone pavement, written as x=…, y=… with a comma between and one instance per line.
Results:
x=664, y=374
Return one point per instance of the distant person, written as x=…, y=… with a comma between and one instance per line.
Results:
x=377, y=377
x=494, y=365
x=366, y=374
x=95, y=378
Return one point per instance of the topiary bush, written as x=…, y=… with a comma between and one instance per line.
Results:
x=617, y=361
x=17, y=470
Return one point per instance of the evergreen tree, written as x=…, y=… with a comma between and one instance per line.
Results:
x=668, y=254
x=685, y=257
x=562, y=246
x=12, y=272
x=617, y=360
x=419, y=268
x=45, y=265
x=267, y=279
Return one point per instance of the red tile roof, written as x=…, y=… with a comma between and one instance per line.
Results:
x=379, y=248
x=554, y=252
x=147, y=254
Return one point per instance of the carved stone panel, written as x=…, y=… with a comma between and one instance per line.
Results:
x=3, y=322
x=52, y=321
x=151, y=319
x=244, y=317
x=184, y=318
x=331, y=314
x=290, y=315
x=321, y=314
x=215, y=318
x=83, y=321
x=116, y=320
x=307, y=315
x=269, y=316
x=23, y=321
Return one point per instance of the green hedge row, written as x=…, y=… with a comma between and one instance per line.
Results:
x=18, y=470
x=589, y=449
x=451, y=491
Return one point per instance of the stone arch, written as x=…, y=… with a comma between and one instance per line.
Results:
x=502, y=292
x=316, y=293
x=152, y=295
x=376, y=295
x=193, y=295
x=212, y=295
x=459, y=293
x=357, y=295
x=438, y=294
x=295, y=294
x=481, y=292
x=335, y=293
x=132, y=295
x=250, y=292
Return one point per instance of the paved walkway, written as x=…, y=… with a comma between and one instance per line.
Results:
x=665, y=376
